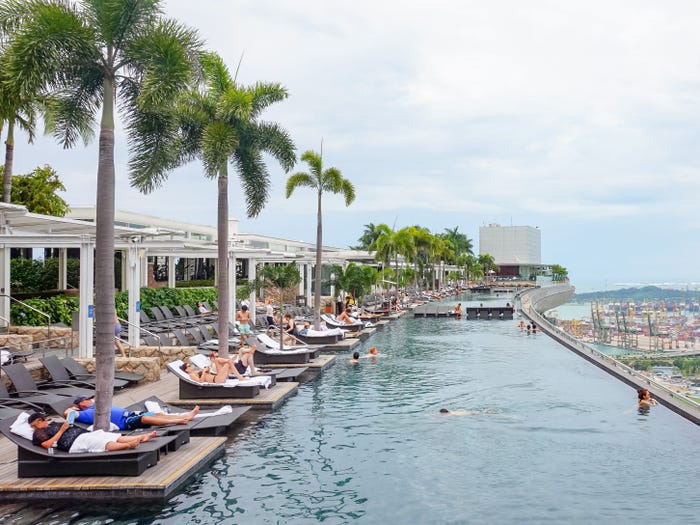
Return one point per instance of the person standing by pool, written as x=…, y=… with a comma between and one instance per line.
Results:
x=243, y=318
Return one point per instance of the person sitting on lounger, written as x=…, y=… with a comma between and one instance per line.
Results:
x=345, y=317
x=305, y=330
x=240, y=366
x=202, y=309
x=77, y=440
x=127, y=419
x=290, y=329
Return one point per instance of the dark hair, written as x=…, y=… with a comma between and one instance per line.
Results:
x=444, y=411
x=356, y=355
x=183, y=367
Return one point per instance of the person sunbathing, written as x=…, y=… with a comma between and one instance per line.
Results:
x=219, y=375
x=125, y=419
x=345, y=317
x=76, y=440
x=237, y=367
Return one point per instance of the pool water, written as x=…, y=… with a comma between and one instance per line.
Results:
x=546, y=438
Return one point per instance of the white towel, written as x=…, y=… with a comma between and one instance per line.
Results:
x=152, y=406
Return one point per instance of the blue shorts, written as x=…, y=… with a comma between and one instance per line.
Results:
x=244, y=328
x=133, y=420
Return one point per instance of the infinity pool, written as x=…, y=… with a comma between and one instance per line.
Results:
x=547, y=438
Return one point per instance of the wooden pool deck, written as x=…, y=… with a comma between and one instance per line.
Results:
x=158, y=482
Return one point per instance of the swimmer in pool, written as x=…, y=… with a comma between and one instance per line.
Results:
x=446, y=412
x=355, y=358
x=645, y=399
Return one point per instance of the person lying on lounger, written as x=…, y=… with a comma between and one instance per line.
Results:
x=220, y=375
x=84, y=407
x=76, y=440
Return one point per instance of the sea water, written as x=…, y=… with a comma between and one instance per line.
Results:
x=546, y=438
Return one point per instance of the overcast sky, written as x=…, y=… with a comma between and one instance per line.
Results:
x=580, y=117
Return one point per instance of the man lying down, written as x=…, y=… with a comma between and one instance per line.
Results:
x=77, y=440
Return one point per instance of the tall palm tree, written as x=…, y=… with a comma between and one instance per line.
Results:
x=85, y=55
x=369, y=235
x=390, y=244
x=15, y=110
x=216, y=122
x=323, y=181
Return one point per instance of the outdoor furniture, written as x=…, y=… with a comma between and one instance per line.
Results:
x=78, y=371
x=43, y=401
x=206, y=423
x=232, y=389
x=59, y=374
x=24, y=383
x=35, y=461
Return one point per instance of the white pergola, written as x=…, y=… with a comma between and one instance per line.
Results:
x=22, y=229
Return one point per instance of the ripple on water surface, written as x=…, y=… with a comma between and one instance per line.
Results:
x=546, y=437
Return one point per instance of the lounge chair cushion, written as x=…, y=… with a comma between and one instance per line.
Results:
x=21, y=427
x=264, y=381
x=153, y=406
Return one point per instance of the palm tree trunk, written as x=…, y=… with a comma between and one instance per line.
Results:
x=9, y=158
x=222, y=250
x=104, y=264
x=319, y=269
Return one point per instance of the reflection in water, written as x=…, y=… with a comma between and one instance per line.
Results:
x=356, y=443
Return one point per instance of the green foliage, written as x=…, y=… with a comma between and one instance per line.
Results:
x=31, y=275
x=60, y=308
x=357, y=279
x=166, y=297
x=195, y=284
x=283, y=279
x=559, y=273
x=37, y=191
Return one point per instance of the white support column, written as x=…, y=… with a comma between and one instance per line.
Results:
x=87, y=307
x=143, y=262
x=309, y=285
x=171, y=272
x=300, y=269
x=62, y=269
x=252, y=274
x=5, y=283
x=232, y=285
x=133, y=285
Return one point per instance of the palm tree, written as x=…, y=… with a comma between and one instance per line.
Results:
x=390, y=244
x=330, y=180
x=14, y=110
x=85, y=55
x=368, y=237
x=218, y=123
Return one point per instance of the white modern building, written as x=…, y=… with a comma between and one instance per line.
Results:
x=517, y=250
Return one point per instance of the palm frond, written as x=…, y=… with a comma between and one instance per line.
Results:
x=315, y=163
x=275, y=140
x=235, y=105
x=216, y=75
x=299, y=180
x=218, y=143
x=255, y=178
x=266, y=94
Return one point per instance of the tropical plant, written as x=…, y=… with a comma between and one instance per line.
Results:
x=559, y=273
x=85, y=55
x=357, y=279
x=368, y=237
x=488, y=264
x=16, y=109
x=323, y=181
x=217, y=122
x=391, y=244
x=38, y=192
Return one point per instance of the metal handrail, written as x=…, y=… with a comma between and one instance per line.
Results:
x=48, y=317
x=141, y=328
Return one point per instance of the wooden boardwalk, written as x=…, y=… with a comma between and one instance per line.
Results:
x=158, y=482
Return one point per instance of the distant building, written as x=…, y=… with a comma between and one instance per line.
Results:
x=517, y=250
